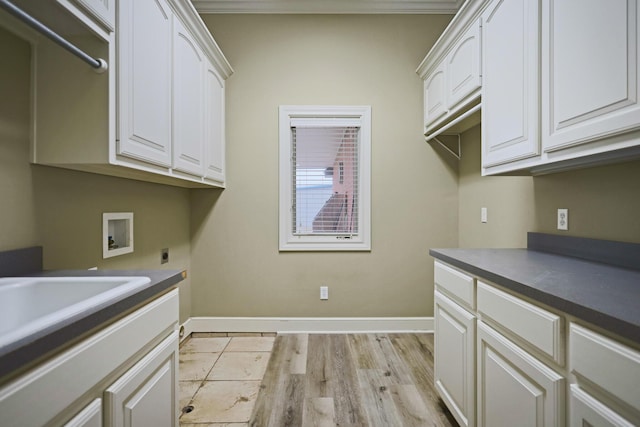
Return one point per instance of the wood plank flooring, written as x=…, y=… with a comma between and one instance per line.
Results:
x=350, y=380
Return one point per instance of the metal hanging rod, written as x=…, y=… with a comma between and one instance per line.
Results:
x=100, y=65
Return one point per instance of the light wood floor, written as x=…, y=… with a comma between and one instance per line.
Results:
x=350, y=380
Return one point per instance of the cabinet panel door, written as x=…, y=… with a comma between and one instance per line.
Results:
x=188, y=95
x=454, y=358
x=90, y=416
x=144, y=80
x=146, y=394
x=463, y=67
x=588, y=411
x=510, y=88
x=214, y=125
x=458, y=285
x=514, y=388
x=539, y=327
x=590, y=70
x=608, y=364
x=434, y=96
x=102, y=10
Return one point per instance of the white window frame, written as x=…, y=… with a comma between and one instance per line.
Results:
x=291, y=242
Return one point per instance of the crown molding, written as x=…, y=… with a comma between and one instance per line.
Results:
x=329, y=6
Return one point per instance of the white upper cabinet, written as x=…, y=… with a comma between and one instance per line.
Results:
x=188, y=96
x=452, y=74
x=561, y=84
x=214, y=124
x=463, y=67
x=156, y=114
x=103, y=11
x=510, y=86
x=144, y=107
x=590, y=71
x=435, y=101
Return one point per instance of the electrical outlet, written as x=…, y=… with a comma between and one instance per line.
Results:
x=483, y=214
x=563, y=219
x=164, y=256
x=324, y=292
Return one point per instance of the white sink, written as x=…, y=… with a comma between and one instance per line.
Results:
x=29, y=305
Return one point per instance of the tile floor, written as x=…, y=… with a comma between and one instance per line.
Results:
x=220, y=377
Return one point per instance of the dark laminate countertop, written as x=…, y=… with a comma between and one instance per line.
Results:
x=20, y=354
x=602, y=294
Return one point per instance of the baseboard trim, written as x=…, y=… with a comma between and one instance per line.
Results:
x=186, y=329
x=308, y=324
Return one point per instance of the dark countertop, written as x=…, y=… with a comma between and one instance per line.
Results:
x=16, y=357
x=605, y=295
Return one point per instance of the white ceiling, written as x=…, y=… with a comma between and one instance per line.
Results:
x=329, y=6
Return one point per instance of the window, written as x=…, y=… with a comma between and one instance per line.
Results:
x=325, y=174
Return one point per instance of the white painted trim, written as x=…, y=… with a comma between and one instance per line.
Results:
x=316, y=242
x=309, y=324
x=329, y=6
x=188, y=329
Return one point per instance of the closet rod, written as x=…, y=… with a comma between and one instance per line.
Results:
x=100, y=65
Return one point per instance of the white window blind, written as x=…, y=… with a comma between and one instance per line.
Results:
x=325, y=166
x=324, y=178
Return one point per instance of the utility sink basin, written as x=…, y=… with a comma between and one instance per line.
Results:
x=31, y=305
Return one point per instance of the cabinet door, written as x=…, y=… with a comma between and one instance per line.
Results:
x=454, y=358
x=214, y=125
x=514, y=388
x=588, y=411
x=590, y=71
x=146, y=394
x=510, y=88
x=90, y=416
x=144, y=80
x=102, y=10
x=188, y=102
x=435, y=96
x=463, y=67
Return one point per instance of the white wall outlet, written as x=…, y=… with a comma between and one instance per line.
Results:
x=324, y=292
x=563, y=219
x=483, y=214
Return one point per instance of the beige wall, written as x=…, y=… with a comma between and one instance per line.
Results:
x=603, y=202
x=62, y=210
x=509, y=202
x=323, y=59
x=17, y=211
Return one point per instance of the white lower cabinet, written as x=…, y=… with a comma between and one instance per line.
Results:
x=454, y=358
x=146, y=394
x=586, y=410
x=91, y=416
x=502, y=359
x=514, y=388
x=122, y=375
x=604, y=370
